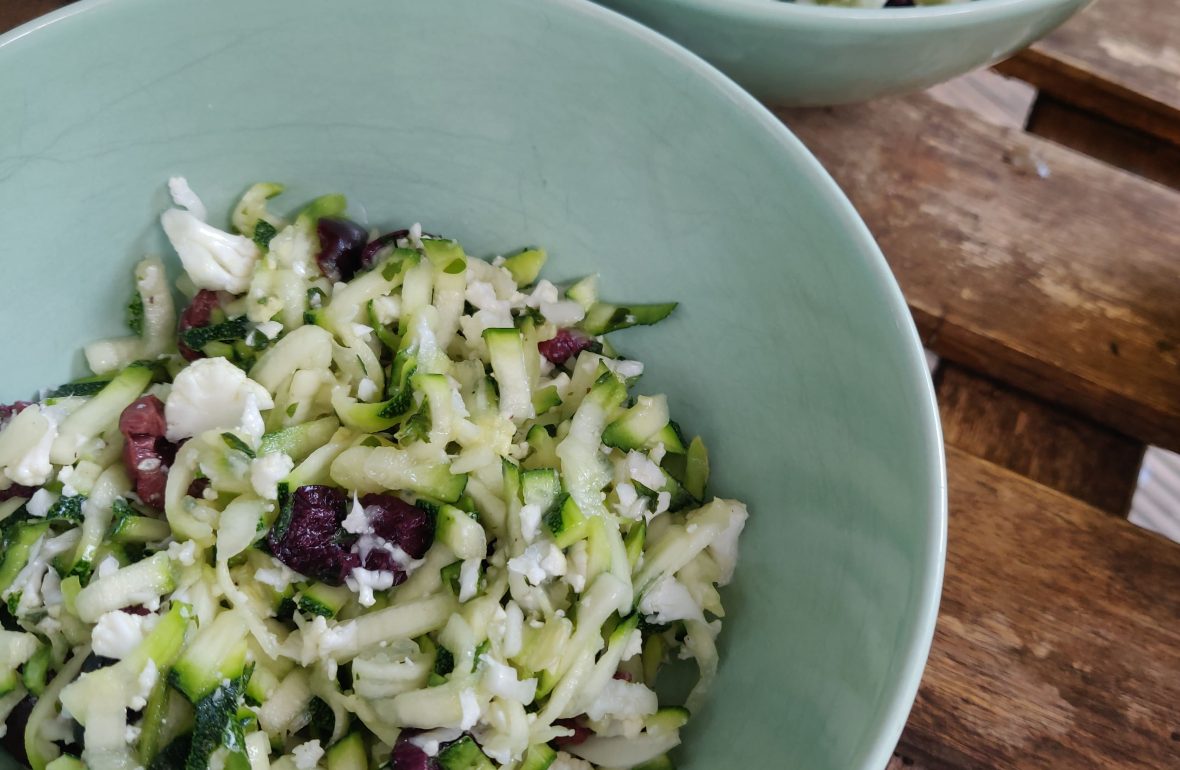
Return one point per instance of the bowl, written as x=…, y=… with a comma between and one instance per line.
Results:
x=788, y=54
x=556, y=122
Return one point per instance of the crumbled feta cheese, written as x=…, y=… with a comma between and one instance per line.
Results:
x=363, y=582
x=149, y=464
x=143, y=686
x=267, y=471
x=307, y=755
x=387, y=310
x=471, y=711
x=634, y=645
x=210, y=394
x=269, y=329
x=501, y=680
x=663, y=500
x=620, y=699
x=108, y=566
x=118, y=633
x=631, y=505
x=623, y=368
x=212, y=258
x=530, y=522
x=416, y=235
x=643, y=470
x=184, y=553
x=568, y=762
x=512, y=638
x=657, y=453
x=468, y=579
x=539, y=562
x=357, y=521
x=543, y=292
x=51, y=589
x=367, y=390
x=578, y=565
x=669, y=600
x=40, y=503
x=131, y=734
x=431, y=740
x=279, y=577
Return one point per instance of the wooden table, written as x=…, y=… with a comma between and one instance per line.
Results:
x=1035, y=230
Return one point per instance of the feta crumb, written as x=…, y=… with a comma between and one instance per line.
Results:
x=269, y=329
x=279, y=577
x=530, y=522
x=363, y=582
x=308, y=755
x=387, y=310
x=183, y=196
x=620, y=699
x=109, y=565
x=149, y=464
x=267, y=471
x=569, y=762
x=468, y=579
x=212, y=258
x=366, y=390
x=643, y=470
x=357, y=521
x=626, y=369
x=144, y=684
x=118, y=633
x=634, y=645
x=33, y=468
x=539, y=562
x=212, y=393
x=663, y=500
x=362, y=331
x=579, y=564
x=40, y=503
x=657, y=453
x=669, y=600
x=471, y=711
x=131, y=734
x=724, y=547
x=431, y=740
x=563, y=313
x=512, y=638
x=185, y=553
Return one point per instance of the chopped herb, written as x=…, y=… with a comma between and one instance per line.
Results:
x=226, y=331
x=135, y=314
x=263, y=232
x=236, y=444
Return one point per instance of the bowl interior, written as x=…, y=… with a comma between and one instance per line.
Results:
x=550, y=122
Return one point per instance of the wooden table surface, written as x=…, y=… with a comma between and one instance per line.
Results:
x=1034, y=227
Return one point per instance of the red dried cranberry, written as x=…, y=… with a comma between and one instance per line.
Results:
x=408, y=756
x=8, y=411
x=407, y=526
x=568, y=342
x=197, y=488
x=624, y=676
x=16, y=490
x=369, y=255
x=135, y=609
x=198, y=313
x=581, y=732
x=146, y=453
x=342, y=243
x=308, y=538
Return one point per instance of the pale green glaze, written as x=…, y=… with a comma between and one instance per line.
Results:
x=794, y=54
x=554, y=122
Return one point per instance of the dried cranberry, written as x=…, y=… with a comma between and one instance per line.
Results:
x=135, y=609
x=146, y=453
x=369, y=255
x=581, y=732
x=623, y=676
x=407, y=756
x=198, y=313
x=407, y=526
x=568, y=342
x=342, y=243
x=308, y=538
x=197, y=488
x=16, y=490
x=8, y=411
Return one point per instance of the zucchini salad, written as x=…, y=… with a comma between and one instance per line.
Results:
x=365, y=502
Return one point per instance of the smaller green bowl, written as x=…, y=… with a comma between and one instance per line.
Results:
x=790, y=54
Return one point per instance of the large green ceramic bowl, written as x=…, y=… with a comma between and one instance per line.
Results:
x=792, y=54
x=556, y=122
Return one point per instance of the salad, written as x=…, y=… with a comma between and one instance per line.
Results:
x=879, y=3
x=366, y=501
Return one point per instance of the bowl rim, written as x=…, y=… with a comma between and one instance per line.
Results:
x=896, y=710
x=923, y=17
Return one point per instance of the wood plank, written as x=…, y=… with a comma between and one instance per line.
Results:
x=1106, y=140
x=1058, y=640
x=13, y=14
x=1119, y=58
x=1064, y=286
x=993, y=97
x=1049, y=445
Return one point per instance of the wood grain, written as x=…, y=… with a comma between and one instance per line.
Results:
x=1119, y=58
x=1058, y=641
x=1064, y=286
x=1047, y=444
x=997, y=99
x=1106, y=140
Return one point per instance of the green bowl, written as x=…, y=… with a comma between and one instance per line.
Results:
x=511, y=122
x=790, y=54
